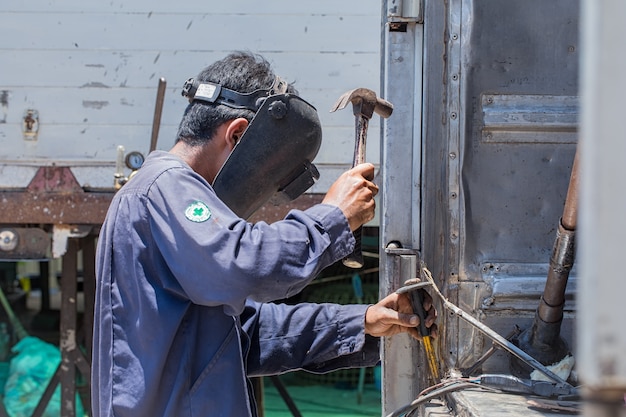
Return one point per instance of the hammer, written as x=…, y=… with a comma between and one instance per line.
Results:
x=364, y=104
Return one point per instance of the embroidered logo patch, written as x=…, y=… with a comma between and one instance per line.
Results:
x=198, y=212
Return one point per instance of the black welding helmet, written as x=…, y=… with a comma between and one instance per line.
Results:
x=273, y=158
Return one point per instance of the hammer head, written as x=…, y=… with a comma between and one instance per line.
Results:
x=364, y=103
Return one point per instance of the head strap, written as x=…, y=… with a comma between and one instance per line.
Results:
x=214, y=93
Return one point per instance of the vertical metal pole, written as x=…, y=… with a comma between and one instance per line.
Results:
x=158, y=110
x=400, y=196
x=89, y=290
x=44, y=282
x=68, y=329
x=601, y=334
x=259, y=395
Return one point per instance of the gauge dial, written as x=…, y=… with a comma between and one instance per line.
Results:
x=134, y=160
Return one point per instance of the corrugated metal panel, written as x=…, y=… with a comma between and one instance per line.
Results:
x=90, y=70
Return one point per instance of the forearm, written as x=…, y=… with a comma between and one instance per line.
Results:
x=314, y=337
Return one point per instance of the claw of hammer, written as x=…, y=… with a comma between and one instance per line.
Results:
x=364, y=96
x=365, y=103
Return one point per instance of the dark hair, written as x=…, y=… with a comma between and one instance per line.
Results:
x=243, y=72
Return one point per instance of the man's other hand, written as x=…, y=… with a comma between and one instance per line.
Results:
x=394, y=314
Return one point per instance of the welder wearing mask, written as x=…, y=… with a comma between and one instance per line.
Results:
x=185, y=284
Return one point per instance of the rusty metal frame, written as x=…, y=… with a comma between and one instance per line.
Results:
x=52, y=199
x=72, y=357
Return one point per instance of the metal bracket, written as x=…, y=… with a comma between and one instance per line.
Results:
x=400, y=251
x=408, y=261
x=30, y=124
x=405, y=11
x=62, y=232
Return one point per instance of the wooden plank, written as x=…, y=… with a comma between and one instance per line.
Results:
x=180, y=32
x=97, y=143
x=87, y=107
x=214, y=7
x=120, y=68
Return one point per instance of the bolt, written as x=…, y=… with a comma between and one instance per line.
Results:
x=277, y=109
x=8, y=240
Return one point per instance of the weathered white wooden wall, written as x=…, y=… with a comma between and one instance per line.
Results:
x=91, y=68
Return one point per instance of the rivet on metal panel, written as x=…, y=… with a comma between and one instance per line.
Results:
x=452, y=155
x=453, y=195
x=453, y=115
x=491, y=268
x=455, y=77
x=455, y=36
x=30, y=125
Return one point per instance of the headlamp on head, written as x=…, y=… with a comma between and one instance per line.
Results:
x=272, y=160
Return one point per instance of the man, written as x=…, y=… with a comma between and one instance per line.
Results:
x=183, y=306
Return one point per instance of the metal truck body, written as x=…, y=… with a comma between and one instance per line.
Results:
x=476, y=161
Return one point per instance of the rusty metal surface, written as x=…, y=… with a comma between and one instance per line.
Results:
x=68, y=342
x=21, y=207
x=54, y=197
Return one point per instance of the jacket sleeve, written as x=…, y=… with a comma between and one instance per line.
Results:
x=317, y=338
x=224, y=260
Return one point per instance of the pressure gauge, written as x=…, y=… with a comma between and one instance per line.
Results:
x=134, y=160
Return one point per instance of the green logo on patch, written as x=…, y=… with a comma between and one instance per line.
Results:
x=198, y=212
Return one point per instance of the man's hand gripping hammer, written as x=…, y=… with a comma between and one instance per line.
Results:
x=364, y=104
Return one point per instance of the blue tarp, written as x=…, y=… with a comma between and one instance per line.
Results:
x=33, y=364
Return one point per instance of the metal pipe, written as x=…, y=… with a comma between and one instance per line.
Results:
x=543, y=338
x=158, y=110
x=551, y=305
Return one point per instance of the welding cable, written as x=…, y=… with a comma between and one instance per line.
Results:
x=430, y=393
x=446, y=382
x=495, y=337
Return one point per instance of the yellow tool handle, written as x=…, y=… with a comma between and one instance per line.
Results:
x=432, y=358
x=417, y=300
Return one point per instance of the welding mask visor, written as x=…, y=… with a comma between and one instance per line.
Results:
x=273, y=159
